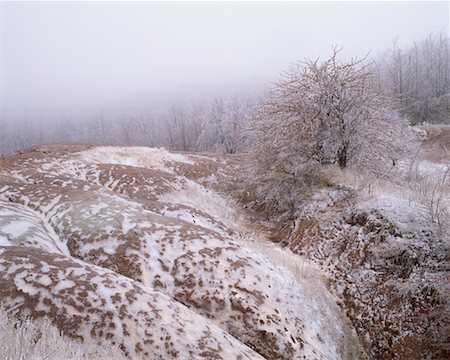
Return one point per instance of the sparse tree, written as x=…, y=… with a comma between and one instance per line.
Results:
x=233, y=125
x=5, y=137
x=178, y=129
x=211, y=137
x=145, y=126
x=25, y=135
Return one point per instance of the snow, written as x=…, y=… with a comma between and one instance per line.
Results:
x=40, y=339
x=4, y=241
x=16, y=228
x=146, y=309
x=385, y=257
x=46, y=166
x=198, y=197
x=134, y=156
x=63, y=285
x=188, y=258
x=127, y=225
x=45, y=280
x=306, y=280
x=23, y=285
x=96, y=208
x=20, y=225
x=432, y=169
x=405, y=213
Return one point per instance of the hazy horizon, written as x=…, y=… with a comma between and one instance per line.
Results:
x=70, y=58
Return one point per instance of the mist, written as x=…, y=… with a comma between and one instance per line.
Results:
x=76, y=60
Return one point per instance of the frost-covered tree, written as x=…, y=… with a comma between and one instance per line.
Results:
x=328, y=112
x=223, y=125
x=419, y=78
x=212, y=137
x=233, y=125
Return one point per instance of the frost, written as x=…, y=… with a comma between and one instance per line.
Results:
x=132, y=253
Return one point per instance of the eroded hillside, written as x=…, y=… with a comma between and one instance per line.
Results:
x=140, y=249
x=131, y=247
x=384, y=244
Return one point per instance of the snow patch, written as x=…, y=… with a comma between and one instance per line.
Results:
x=152, y=158
x=15, y=228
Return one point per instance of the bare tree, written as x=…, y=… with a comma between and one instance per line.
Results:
x=177, y=129
x=234, y=124
x=5, y=135
x=211, y=137
x=25, y=134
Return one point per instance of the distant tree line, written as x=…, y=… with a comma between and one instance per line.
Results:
x=217, y=126
x=416, y=79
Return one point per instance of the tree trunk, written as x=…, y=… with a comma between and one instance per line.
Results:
x=342, y=156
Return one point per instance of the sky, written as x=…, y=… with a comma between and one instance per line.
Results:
x=69, y=58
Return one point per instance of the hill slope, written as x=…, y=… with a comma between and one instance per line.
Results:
x=131, y=247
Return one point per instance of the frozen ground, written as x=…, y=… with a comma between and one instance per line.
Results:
x=131, y=247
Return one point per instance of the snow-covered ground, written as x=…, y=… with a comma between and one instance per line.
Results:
x=130, y=247
x=39, y=339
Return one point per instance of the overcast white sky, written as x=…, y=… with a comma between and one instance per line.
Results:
x=70, y=57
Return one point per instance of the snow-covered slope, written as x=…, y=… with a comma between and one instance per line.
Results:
x=131, y=247
x=88, y=302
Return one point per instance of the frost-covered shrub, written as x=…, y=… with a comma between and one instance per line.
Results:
x=285, y=191
x=432, y=190
x=321, y=114
x=428, y=184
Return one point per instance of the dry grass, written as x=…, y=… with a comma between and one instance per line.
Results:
x=40, y=340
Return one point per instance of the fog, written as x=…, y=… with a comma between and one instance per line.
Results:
x=72, y=58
